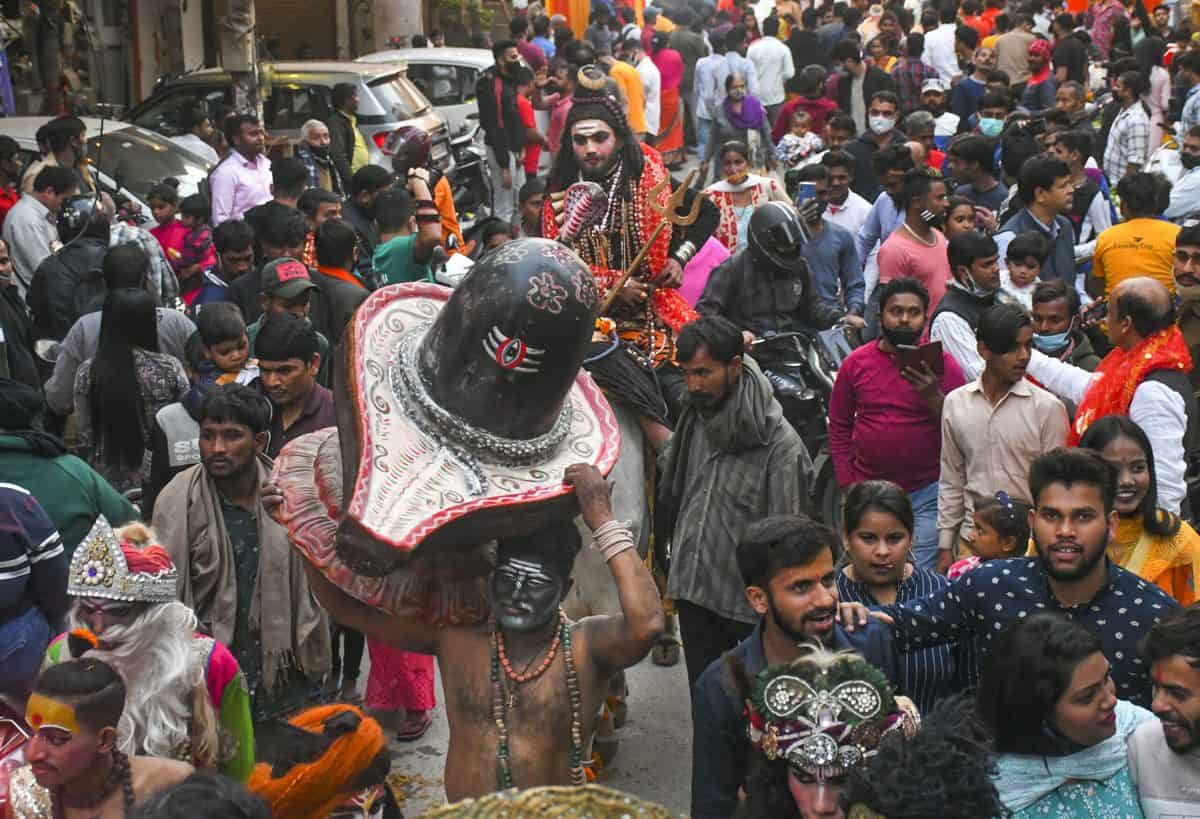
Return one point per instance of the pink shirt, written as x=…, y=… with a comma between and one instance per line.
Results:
x=558, y=120
x=903, y=255
x=880, y=428
x=238, y=185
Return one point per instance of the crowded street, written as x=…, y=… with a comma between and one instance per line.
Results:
x=735, y=409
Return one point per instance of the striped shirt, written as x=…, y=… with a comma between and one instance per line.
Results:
x=33, y=565
x=926, y=674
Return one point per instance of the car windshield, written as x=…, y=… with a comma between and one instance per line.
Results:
x=139, y=160
x=399, y=97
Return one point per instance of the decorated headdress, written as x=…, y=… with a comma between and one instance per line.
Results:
x=592, y=100
x=105, y=566
x=318, y=760
x=592, y=801
x=826, y=713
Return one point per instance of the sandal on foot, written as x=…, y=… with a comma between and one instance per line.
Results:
x=412, y=731
x=665, y=652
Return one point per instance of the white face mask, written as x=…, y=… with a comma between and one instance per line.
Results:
x=881, y=125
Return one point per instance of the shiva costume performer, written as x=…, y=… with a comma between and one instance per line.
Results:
x=187, y=697
x=815, y=719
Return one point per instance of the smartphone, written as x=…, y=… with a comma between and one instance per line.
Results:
x=929, y=354
x=804, y=192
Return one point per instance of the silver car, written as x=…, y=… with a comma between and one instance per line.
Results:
x=120, y=153
x=303, y=90
x=447, y=76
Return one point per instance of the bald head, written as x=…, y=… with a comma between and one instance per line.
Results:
x=1141, y=307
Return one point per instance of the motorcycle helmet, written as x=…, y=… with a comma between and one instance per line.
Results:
x=410, y=147
x=81, y=214
x=777, y=235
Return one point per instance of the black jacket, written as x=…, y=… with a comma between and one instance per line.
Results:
x=341, y=145
x=764, y=302
x=18, y=339
x=64, y=285
x=506, y=138
x=866, y=182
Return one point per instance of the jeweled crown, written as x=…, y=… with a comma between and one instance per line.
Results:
x=99, y=569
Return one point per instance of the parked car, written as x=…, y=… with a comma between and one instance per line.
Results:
x=303, y=90
x=121, y=153
x=446, y=76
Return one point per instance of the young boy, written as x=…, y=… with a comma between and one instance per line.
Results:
x=163, y=200
x=533, y=137
x=193, y=215
x=287, y=288
x=1025, y=255
x=405, y=249
x=224, y=346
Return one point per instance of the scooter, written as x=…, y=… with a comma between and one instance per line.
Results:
x=801, y=366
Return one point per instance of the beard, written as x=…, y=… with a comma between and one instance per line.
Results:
x=154, y=654
x=796, y=632
x=901, y=337
x=1086, y=564
x=1192, y=729
x=600, y=172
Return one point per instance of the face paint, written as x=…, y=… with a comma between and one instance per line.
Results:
x=43, y=713
x=595, y=147
x=525, y=596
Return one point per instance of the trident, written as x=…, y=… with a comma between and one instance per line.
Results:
x=669, y=217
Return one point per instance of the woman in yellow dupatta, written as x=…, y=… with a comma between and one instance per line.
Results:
x=1151, y=542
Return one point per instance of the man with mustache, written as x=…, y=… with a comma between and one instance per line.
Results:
x=1073, y=518
x=1164, y=756
x=237, y=571
x=787, y=565
x=733, y=459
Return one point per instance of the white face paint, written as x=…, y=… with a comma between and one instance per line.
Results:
x=595, y=145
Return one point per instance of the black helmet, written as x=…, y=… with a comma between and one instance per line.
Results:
x=777, y=235
x=81, y=214
x=410, y=147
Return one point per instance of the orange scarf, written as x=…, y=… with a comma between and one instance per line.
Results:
x=1121, y=372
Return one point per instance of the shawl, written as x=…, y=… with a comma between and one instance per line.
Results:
x=1121, y=372
x=746, y=420
x=1023, y=779
x=752, y=117
x=292, y=627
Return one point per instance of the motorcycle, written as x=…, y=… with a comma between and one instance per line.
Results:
x=470, y=180
x=801, y=366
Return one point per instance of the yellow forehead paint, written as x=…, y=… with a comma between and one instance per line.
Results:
x=42, y=712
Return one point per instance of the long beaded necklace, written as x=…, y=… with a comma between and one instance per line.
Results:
x=501, y=705
x=119, y=775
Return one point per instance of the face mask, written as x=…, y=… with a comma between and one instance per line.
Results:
x=1050, y=343
x=977, y=291
x=319, y=150
x=737, y=94
x=902, y=336
x=881, y=125
x=991, y=127
x=1189, y=161
x=1188, y=292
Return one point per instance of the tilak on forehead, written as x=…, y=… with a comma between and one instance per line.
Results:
x=42, y=712
x=588, y=127
x=525, y=567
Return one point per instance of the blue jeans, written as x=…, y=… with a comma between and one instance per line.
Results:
x=925, y=534
x=23, y=642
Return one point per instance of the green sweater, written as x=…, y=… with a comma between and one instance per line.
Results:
x=72, y=493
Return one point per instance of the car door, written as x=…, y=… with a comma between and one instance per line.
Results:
x=167, y=112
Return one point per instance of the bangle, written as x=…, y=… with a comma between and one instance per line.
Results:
x=428, y=218
x=425, y=203
x=684, y=253
x=612, y=538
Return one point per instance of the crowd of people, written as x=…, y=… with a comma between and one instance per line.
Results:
x=994, y=204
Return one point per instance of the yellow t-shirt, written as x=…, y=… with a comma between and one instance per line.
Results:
x=990, y=41
x=1139, y=247
x=630, y=81
x=360, y=158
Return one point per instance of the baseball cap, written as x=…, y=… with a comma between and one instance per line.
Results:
x=286, y=278
x=934, y=84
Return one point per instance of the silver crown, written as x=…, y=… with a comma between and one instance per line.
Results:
x=98, y=569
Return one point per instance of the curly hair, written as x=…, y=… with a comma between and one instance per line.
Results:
x=945, y=770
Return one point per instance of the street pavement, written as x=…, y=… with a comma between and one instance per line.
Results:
x=654, y=760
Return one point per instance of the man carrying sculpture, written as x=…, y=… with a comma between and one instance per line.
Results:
x=464, y=419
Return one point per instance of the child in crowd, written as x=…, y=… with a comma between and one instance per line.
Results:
x=163, y=200
x=1026, y=253
x=224, y=346
x=193, y=215
x=1001, y=531
x=533, y=137
x=287, y=288
x=799, y=146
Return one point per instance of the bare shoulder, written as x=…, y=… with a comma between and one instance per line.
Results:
x=151, y=774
